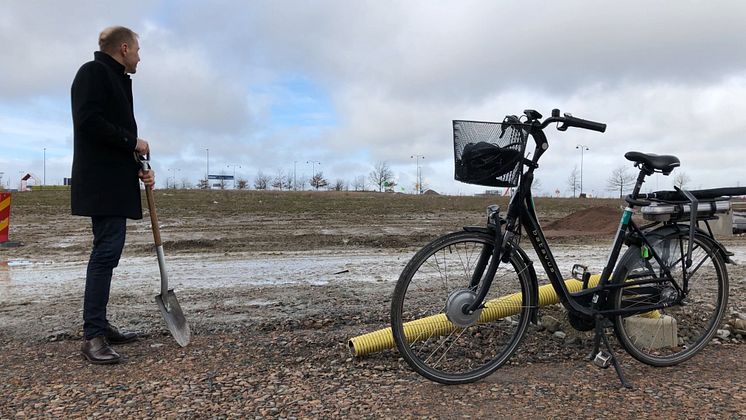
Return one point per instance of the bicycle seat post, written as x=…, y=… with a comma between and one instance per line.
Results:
x=640, y=180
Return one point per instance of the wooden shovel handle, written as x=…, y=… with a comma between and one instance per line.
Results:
x=153, y=216
x=145, y=163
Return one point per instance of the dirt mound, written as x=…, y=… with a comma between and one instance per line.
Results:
x=594, y=219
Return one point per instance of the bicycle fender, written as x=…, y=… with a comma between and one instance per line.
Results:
x=479, y=229
x=666, y=230
x=533, y=280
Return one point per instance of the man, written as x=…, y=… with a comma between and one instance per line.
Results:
x=105, y=185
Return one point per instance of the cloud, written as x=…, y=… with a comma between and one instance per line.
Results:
x=179, y=86
x=267, y=84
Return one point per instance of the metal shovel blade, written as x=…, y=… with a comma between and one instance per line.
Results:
x=174, y=317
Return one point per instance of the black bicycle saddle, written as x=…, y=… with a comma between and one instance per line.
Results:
x=663, y=163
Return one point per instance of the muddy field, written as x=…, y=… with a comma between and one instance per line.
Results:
x=273, y=284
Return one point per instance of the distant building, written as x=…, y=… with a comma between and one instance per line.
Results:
x=25, y=185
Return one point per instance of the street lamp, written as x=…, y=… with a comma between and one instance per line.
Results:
x=313, y=169
x=207, y=174
x=234, y=166
x=173, y=174
x=419, y=173
x=44, y=179
x=295, y=185
x=582, y=148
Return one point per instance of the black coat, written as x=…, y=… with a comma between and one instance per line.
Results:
x=104, y=173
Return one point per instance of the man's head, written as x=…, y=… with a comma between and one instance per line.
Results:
x=121, y=44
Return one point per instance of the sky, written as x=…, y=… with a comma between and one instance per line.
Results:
x=338, y=86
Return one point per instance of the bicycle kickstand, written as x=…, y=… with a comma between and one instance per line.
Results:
x=604, y=359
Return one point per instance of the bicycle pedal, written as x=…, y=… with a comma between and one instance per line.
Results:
x=603, y=359
x=578, y=270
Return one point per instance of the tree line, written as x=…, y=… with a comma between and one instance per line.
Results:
x=380, y=178
x=621, y=180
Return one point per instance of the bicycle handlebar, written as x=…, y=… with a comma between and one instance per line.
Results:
x=569, y=121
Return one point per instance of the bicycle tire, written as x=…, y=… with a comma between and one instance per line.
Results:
x=466, y=354
x=681, y=330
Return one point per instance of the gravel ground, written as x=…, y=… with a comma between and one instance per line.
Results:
x=295, y=374
x=262, y=349
x=287, y=356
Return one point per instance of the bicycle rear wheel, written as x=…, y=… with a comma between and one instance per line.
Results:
x=433, y=335
x=674, y=334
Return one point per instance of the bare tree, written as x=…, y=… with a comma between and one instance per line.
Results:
x=681, y=179
x=536, y=186
x=186, y=184
x=620, y=179
x=203, y=184
x=289, y=181
x=340, y=185
x=242, y=184
x=222, y=184
x=381, y=175
x=358, y=184
x=279, y=180
x=302, y=181
x=318, y=181
x=574, y=180
x=261, y=182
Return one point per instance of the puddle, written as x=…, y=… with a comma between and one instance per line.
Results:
x=17, y=263
x=25, y=279
x=21, y=280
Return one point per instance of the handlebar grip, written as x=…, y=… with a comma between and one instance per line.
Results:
x=586, y=124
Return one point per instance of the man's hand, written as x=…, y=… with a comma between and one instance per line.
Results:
x=147, y=178
x=143, y=148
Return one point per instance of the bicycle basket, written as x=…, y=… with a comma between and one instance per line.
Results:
x=489, y=153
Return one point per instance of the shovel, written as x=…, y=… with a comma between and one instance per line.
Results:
x=167, y=302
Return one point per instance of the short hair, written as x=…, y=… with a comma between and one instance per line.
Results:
x=113, y=37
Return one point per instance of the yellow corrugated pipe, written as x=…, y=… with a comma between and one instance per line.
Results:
x=438, y=325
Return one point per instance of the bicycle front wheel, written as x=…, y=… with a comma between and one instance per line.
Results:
x=432, y=332
x=674, y=334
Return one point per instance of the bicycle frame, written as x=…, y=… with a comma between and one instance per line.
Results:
x=591, y=301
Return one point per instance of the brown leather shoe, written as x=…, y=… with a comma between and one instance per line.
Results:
x=98, y=351
x=116, y=337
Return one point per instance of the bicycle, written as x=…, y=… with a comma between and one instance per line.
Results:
x=464, y=301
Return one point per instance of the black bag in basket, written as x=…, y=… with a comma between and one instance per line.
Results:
x=482, y=163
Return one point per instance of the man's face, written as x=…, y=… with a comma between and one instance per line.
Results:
x=131, y=56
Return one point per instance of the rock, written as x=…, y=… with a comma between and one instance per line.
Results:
x=573, y=341
x=59, y=335
x=739, y=324
x=559, y=334
x=723, y=334
x=550, y=323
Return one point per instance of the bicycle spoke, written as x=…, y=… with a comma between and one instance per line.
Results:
x=439, y=348
x=675, y=333
x=441, y=345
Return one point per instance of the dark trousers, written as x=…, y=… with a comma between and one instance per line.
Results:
x=108, y=242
